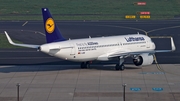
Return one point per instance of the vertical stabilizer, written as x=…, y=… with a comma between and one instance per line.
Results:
x=52, y=32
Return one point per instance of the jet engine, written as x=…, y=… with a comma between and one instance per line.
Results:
x=143, y=59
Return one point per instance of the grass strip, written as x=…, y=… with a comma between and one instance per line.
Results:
x=87, y=9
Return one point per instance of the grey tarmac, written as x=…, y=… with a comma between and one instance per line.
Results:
x=98, y=83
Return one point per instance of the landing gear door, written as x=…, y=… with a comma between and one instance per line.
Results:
x=73, y=49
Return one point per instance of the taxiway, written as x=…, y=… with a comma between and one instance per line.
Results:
x=45, y=78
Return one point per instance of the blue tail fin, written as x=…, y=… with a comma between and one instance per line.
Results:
x=52, y=32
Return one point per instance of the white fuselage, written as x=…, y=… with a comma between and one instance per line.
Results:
x=89, y=49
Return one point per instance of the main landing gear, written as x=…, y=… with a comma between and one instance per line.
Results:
x=85, y=65
x=120, y=65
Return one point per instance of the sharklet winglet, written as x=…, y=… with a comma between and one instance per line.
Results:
x=173, y=45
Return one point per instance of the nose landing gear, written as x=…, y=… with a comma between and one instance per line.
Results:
x=120, y=65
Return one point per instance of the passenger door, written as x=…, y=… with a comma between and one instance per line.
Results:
x=73, y=49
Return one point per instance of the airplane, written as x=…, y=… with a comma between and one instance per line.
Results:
x=137, y=46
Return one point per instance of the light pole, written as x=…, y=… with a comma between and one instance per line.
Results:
x=18, y=85
x=124, y=86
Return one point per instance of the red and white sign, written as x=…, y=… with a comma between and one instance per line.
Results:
x=141, y=3
x=145, y=13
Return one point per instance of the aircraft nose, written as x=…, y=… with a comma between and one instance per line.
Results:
x=44, y=48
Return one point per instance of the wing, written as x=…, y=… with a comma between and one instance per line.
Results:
x=127, y=53
x=22, y=45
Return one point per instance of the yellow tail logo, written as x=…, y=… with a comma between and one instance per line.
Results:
x=49, y=25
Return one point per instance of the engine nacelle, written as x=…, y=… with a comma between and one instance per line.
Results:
x=143, y=59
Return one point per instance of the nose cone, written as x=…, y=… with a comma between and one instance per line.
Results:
x=44, y=48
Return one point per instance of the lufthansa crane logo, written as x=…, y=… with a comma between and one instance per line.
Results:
x=49, y=25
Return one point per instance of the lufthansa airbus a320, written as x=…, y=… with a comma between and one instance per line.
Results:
x=140, y=47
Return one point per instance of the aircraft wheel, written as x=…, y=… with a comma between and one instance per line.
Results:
x=82, y=65
x=87, y=65
x=117, y=67
x=122, y=67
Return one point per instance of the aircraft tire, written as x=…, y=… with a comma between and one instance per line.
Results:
x=117, y=67
x=83, y=65
x=122, y=67
x=87, y=65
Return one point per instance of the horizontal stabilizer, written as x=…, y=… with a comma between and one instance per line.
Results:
x=22, y=45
